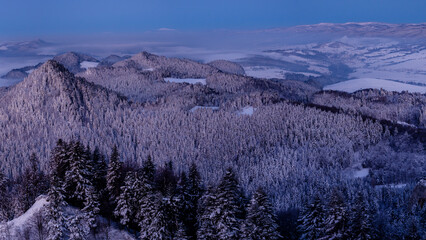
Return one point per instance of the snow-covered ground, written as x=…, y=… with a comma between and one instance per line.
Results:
x=15, y=229
x=87, y=64
x=186, y=80
x=399, y=185
x=364, y=83
x=362, y=173
x=214, y=108
x=273, y=72
x=248, y=110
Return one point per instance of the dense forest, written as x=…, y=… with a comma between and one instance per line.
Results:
x=159, y=202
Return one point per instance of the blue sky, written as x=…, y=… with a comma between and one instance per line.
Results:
x=50, y=17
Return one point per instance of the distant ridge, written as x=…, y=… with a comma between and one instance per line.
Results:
x=361, y=29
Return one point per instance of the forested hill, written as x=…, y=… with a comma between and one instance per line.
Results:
x=180, y=111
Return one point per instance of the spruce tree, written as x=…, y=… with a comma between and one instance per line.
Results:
x=126, y=207
x=206, y=211
x=91, y=207
x=312, y=221
x=260, y=223
x=228, y=207
x=60, y=160
x=191, y=196
x=114, y=177
x=336, y=223
x=77, y=177
x=361, y=222
x=5, y=211
x=56, y=225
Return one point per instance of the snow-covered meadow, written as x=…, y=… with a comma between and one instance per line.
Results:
x=365, y=83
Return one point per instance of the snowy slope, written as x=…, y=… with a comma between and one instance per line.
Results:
x=25, y=225
x=365, y=83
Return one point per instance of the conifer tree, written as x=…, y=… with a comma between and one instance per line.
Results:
x=206, y=225
x=312, y=221
x=192, y=195
x=114, y=177
x=91, y=207
x=60, y=159
x=5, y=211
x=56, y=225
x=148, y=169
x=361, y=221
x=78, y=175
x=260, y=223
x=336, y=223
x=126, y=202
x=228, y=207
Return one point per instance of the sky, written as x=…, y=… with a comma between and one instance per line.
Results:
x=62, y=17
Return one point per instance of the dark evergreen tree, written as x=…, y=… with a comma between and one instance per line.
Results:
x=91, y=207
x=100, y=170
x=56, y=225
x=336, y=223
x=361, y=219
x=148, y=169
x=228, y=207
x=260, y=223
x=5, y=209
x=33, y=184
x=77, y=177
x=59, y=162
x=165, y=179
x=312, y=220
x=127, y=203
x=114, y=177
x=206, y=225
x=192, y=195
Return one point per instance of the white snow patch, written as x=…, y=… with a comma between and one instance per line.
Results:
x=29, y=71
x=186, y=80
x=399, y=185
x=364, y=83
x=248, y=110
x=17, y=225
x=24, y=218
x=87, y=64
x=362, y=173
x=214, y=108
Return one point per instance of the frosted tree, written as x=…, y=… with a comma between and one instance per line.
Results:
x=91, y=207
x=336, y=223
x=260, y=222
x=153, y=224
x=77, y=228
x=114, y=176
x=126, y=207
x=361, y=219
x=228, y=207
x=206, y=225
x=5, y=211
x=312, y=220
x=192, y=194
x=77, y=176
x=56, y=225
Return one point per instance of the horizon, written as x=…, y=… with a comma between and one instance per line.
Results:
x=25, y=18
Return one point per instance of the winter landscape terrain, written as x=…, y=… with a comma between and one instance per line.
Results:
x=317, y=133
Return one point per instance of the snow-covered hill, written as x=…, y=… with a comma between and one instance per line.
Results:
x=32, y=224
